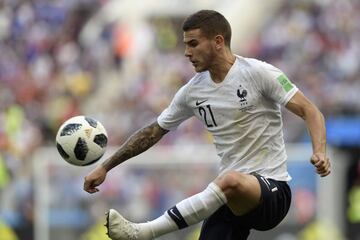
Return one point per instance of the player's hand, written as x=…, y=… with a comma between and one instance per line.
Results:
x=94, y=179
x=321, y=163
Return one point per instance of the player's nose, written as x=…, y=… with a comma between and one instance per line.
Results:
x=187, y=52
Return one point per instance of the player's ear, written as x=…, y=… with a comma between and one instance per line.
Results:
x=219, y=42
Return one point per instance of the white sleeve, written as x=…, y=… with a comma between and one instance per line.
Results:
x=274, y=84
x=177, y=112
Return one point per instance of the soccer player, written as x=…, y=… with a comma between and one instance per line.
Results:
x=239, y=101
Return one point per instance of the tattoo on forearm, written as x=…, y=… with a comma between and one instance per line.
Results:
x=139, y=142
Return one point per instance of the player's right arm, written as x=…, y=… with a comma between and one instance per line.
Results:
x=143, y=139
x=139, y=142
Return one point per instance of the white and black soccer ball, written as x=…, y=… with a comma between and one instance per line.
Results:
x=81, y=140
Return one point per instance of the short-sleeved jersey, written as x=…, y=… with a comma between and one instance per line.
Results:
x=243, y=113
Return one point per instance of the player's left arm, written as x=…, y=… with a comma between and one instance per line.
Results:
x=314, y=119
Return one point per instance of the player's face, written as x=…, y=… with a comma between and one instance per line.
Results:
x=199, y=49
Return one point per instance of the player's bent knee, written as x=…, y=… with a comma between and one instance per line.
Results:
x=232, y=183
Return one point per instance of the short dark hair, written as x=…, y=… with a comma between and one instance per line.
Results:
x=211, y=23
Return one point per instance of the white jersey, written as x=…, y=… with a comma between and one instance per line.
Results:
x=243, y=113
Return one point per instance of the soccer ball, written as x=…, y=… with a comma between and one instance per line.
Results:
x=81, y=140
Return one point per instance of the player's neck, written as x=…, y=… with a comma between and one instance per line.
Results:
x=221, y=66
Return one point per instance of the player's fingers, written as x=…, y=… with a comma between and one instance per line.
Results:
x=314, y=159
x=321, y=169
x=328, y=168
x=88, y=186
x=321, y=161
x=92, y=190
x=322, y=164
x=325, y=165
x=319, y=164
x=324, y=174
x=324, y=171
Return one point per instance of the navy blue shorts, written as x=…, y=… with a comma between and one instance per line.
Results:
x=274, y=205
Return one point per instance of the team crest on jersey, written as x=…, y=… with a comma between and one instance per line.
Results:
x=242, y=93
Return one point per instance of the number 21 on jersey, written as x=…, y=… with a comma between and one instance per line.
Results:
x=208, y=116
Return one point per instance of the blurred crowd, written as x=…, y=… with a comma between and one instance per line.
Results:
x=44, y=74
x=50, y=71
x=317, y=43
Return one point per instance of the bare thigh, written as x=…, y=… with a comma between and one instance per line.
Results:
x=243, y=191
